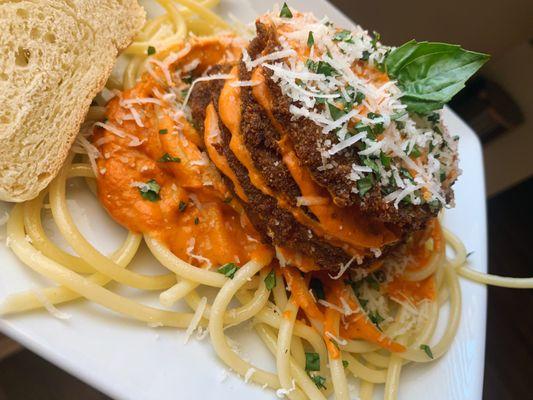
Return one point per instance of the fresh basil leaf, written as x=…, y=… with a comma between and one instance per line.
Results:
x=228, y=270
x=150, y=190
x=312, y=362
x=345, y=363
x=270, y=280
x=430, y=74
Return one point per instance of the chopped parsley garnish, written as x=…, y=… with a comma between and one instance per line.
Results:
x=228, y=200
x=359, y=97
x=361, y=127
x=406, y=174
x=372, y=164
x=310, y=40
x=385, y=160
x=326, y=69
x=335, y=112
x=270, y=280
x=415, y=152
x=375, y=39
x=312, y=362
x=186, y=79
x=285, y=11
x=150, y=190
x=364, y=185
x=376, y=318
x=366, y=56
x=228, y=269
x=343, y=36
x=150, y=50
x=316, y=286
x=399, y=125
x=168, y=158
x=434, y=117
x=163, y=131
x=345, y=363
x=442, y=175
x=196, y=220
x=182, y=206
x=427, y=350
x=321, y=67
x=319, y=381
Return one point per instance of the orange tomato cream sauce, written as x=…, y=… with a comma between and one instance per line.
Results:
x=157, y=176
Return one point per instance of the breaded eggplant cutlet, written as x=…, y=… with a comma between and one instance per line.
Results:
x=312, y=137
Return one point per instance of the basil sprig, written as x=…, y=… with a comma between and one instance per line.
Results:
x=430, y=73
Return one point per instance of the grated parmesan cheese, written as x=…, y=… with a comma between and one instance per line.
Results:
x=195, y=319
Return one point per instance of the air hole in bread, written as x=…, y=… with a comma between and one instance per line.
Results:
x=35, y=33
x=50, y=37
x=43, y=176
x=22, y=13
x=22, y=57
x=3, y=76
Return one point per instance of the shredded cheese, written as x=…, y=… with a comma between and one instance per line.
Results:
x=195, y=319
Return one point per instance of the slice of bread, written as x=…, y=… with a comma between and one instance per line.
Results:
x=55, y=57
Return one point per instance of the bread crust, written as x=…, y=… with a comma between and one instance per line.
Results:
x=58, y=58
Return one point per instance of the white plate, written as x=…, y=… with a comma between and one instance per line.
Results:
x=128, y=360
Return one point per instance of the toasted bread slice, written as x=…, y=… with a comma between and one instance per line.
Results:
x=55, y=57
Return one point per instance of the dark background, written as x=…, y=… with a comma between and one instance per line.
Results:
x=504, y=29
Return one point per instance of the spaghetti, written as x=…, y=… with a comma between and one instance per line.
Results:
x=319, y=328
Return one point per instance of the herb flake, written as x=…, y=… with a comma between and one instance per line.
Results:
x=427, y=350
x=168, y=158
x=228, y=269
x=312, y=362
x=319, y=381
x=310, y=40
x=270, y=280
x=150, y=190
x=364, y=185
x=285, y=11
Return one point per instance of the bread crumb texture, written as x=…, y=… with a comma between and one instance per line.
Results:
x=55, y=57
